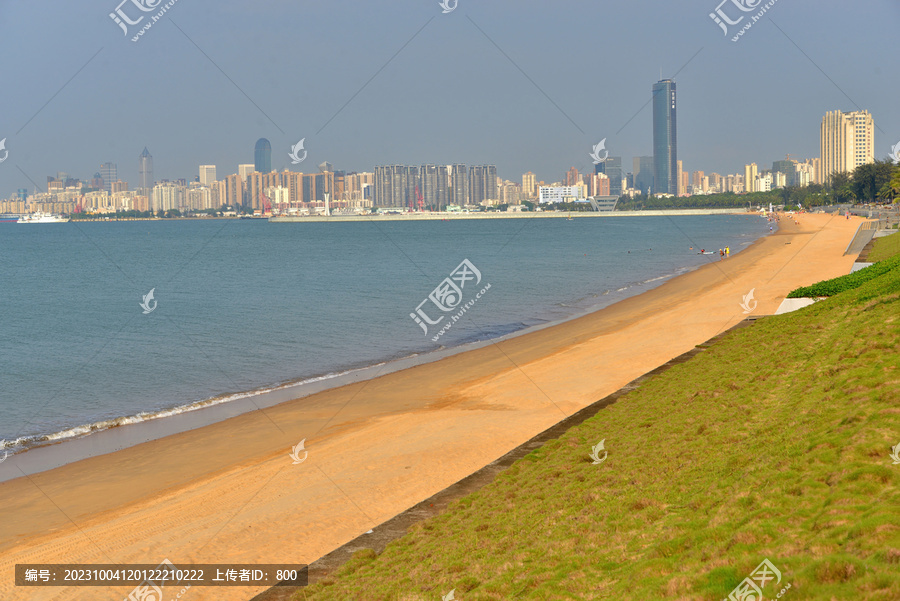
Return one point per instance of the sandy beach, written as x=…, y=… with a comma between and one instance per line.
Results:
x=230, y=492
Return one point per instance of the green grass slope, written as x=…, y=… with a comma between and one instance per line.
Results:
x=772, y=444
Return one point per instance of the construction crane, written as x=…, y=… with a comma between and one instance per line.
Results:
x=419, y=199
x=266, y=203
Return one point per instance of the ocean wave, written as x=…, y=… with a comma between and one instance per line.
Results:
x=24, y=443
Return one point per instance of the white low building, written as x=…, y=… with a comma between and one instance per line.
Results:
x=552, y=194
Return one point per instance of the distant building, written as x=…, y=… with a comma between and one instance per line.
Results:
x=483, y=184
x=145, y=173
x=679, y=168
x=665, y=139
x=612, y=167
x=207, y=174
x=846, y=141
x=599, y=185
x=459, y=184
x=529, y=185
x=109, y=172
x=262, y=156
x=245, y=170
x=643, y=174
x=553, y=194
x=750, y=177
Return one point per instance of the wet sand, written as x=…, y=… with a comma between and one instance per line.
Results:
x=230, y=492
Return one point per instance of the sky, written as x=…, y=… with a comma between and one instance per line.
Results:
x=523, y=85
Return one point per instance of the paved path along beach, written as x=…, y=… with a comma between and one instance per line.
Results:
x=230, y=492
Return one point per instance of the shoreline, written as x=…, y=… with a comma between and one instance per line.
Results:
x=39, y=452
x=378, y=447
x=446, y=216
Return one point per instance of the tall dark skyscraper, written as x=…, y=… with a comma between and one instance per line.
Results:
x=612, y=167
x=262, y=156
x=665, y=141
x=109, y=173
x=145, y=173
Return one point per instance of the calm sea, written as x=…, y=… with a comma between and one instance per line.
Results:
x=244, y=306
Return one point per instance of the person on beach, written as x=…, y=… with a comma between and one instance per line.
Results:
x=727, y=250
x=721, y=254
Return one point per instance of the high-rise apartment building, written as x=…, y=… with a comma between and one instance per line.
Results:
x=680, y=177
x=434, y=186
x=750, y=177
x=846, y=141
x=482, y=184
x=665, y=139
x=459, y=184
x=145, y=173
x=572, y=177
x=262, y=156
x=109, y=174
x=245, y=170
x=529, y=185
x=207, y=174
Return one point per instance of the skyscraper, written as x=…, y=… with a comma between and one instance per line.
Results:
x=680, y=177
x=262, y=156
x=459, y=182
x=751, y=172
x=207, y=174
x=482, y=183
x=643, y=174
x=109, y=174
x=665, y=140
x=612, y=167
x=846, y=141
x=145, y=173
x=529, y=185
x=245, y=170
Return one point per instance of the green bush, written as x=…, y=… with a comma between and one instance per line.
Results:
x=846, y=282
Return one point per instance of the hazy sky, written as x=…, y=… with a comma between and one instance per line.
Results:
x=525, y=85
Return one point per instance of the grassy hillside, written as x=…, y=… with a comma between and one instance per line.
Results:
x=772, y=444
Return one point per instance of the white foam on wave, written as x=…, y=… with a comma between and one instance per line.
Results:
x=24, y=443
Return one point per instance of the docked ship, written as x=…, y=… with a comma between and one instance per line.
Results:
x=9, y=217
x=42, y=218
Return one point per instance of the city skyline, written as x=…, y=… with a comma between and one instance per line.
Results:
x=458, y=183
x=542, y=113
